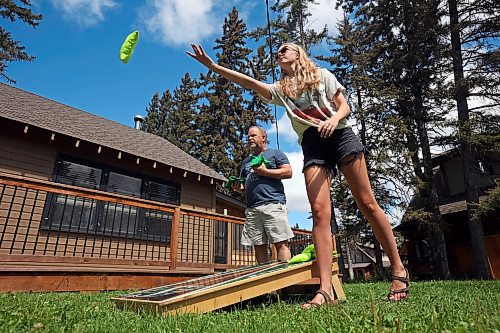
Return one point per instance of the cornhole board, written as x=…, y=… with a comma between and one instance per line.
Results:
x=218, y=290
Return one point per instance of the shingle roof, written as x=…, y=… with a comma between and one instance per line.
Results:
x=31, y=109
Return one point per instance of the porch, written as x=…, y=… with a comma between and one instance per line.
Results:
x=58, y=237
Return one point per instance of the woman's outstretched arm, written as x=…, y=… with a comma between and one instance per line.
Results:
x=244, y=80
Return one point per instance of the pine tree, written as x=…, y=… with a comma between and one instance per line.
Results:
x=152, y=121
x=410, y=78
x=10, y=49
x=290, y=24
x=165, y=111
x=224, y=118
x=353, y=60
x=473, y=26
x=180, y=126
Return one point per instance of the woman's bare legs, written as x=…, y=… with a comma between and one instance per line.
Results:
x=318, y=192
x=356, y=176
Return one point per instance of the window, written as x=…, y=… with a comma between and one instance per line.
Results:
x=75, y=214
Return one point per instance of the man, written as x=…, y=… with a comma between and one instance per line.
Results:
x=266, y=213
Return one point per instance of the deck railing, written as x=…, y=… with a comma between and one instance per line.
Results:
x=46, y=226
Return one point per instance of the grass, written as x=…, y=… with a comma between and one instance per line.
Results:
x=445, y=306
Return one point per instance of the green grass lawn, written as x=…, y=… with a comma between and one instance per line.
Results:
x=449, y=306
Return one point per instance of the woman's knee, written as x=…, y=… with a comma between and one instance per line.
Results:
x=320, y=212
x=369, y=207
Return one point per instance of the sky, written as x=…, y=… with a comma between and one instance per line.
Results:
x=77, y=42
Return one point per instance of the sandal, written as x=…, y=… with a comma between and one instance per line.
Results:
x=406, y=290
x=326, y=297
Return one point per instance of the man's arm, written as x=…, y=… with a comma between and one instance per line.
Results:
x=284, y=171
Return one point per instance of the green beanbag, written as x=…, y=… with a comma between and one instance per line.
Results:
x=128, y=46
x=234, y=180
x=301, y=257
x=256, y=161
x=307, y=254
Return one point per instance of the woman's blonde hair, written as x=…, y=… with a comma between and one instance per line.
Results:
x=307, y=74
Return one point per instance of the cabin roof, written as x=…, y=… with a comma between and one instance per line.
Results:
x=28, y=108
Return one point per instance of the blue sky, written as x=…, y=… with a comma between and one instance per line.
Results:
x=77, y=43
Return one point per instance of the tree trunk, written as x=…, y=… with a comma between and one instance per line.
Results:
x=379, y=264
x=471, y=176
x=439, y=253
x=349, y=261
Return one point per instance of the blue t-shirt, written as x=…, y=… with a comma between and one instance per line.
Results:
x=261, y=190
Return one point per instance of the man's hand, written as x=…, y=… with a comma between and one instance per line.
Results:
x=238, y=187
x=261, y=170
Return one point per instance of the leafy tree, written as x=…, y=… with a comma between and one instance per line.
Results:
x=10, y=49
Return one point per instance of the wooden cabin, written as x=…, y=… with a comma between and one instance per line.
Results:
x=450, y=187
x=90, y=204
x=363, y=261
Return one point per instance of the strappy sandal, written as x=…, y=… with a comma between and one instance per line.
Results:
x=406, y=290
x=315, y=305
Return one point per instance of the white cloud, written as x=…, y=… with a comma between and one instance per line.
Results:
x=324, y=13
x=285, y=130
x=295, y=188
x=84, y=12
x=178, y=22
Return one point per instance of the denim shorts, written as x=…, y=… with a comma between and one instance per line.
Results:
x=331, y=153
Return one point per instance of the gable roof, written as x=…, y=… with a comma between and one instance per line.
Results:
x=31, y=109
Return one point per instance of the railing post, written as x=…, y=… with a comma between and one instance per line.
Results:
x=174, y=238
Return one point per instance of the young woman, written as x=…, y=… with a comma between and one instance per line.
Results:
x=315, y=103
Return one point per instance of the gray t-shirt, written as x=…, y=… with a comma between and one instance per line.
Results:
x=311, y=108
x=261, y=190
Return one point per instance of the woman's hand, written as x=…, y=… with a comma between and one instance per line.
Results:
x=200, y=55
x=327, y=127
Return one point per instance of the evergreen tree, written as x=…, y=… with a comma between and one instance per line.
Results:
x=290, y=23
x=409, y=55
x=353, y=60
x=10, y=49
x=473, y=27
x=152, y=121
x=224, y=118
x=180, y=126
x=165, y=114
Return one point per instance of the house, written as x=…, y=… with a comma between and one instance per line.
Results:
x=90, y=204
x=450, y=187
x=361, y=260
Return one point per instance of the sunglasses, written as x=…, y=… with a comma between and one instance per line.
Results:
x=283, y=50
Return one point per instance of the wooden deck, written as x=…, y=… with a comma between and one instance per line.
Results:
x=41, y=251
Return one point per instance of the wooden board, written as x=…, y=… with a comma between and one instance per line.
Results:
x=222, y=289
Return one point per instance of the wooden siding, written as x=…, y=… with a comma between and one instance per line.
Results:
x=33, y=154
x=23, y=157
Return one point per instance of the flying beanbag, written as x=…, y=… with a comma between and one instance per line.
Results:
x=128, y=46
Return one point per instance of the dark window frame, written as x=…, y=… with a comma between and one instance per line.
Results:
x=96, y=223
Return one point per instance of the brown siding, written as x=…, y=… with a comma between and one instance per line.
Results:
x=33, y=154
x=492, y=243
x=22, y=157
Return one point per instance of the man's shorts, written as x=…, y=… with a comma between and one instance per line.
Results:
x=340, y=149
x=265, y=224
